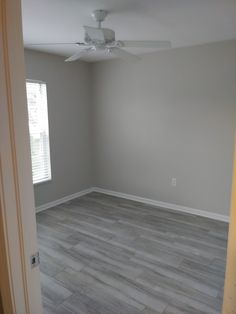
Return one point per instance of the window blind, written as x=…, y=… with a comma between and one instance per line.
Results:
x=38, y=129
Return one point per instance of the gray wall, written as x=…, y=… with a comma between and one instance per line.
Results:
x=172, y=114
x=69, y=110
x=131, y=127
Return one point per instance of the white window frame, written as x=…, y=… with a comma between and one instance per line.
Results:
x=49, y=178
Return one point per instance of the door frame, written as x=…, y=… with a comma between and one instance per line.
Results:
x=19, y=282
x=229, y=301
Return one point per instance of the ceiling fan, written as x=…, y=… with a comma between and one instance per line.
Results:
x=98, y=38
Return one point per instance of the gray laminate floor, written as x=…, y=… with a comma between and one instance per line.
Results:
x=106, y=255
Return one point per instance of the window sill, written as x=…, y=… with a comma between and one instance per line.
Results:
x=42, y=182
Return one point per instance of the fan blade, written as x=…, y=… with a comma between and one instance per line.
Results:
x=51, y=44
x=124, y=54
x=78, y=55
x=94, y=33
x=146, y=43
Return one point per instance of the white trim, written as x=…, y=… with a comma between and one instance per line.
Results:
x=183, y=209
x=63, y=200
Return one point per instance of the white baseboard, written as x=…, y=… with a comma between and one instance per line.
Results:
x=179, y=208
x=144, y=200
x=63, y=200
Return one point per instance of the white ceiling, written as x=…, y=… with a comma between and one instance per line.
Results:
x=183, y=22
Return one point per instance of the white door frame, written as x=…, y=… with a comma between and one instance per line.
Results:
x=20, y=284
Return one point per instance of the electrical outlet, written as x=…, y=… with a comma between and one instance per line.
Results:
x=173, y=182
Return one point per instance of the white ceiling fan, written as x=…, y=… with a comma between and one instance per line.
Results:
x=98, y=38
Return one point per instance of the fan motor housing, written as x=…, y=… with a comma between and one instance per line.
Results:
x=109, y=35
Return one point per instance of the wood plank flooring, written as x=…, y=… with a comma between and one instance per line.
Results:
x=107, y=255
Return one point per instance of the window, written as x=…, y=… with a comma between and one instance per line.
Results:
x=38, y=128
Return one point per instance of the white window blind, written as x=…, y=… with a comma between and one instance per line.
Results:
x=38, y=128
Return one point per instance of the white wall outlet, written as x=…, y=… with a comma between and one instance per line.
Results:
x=173, y=182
